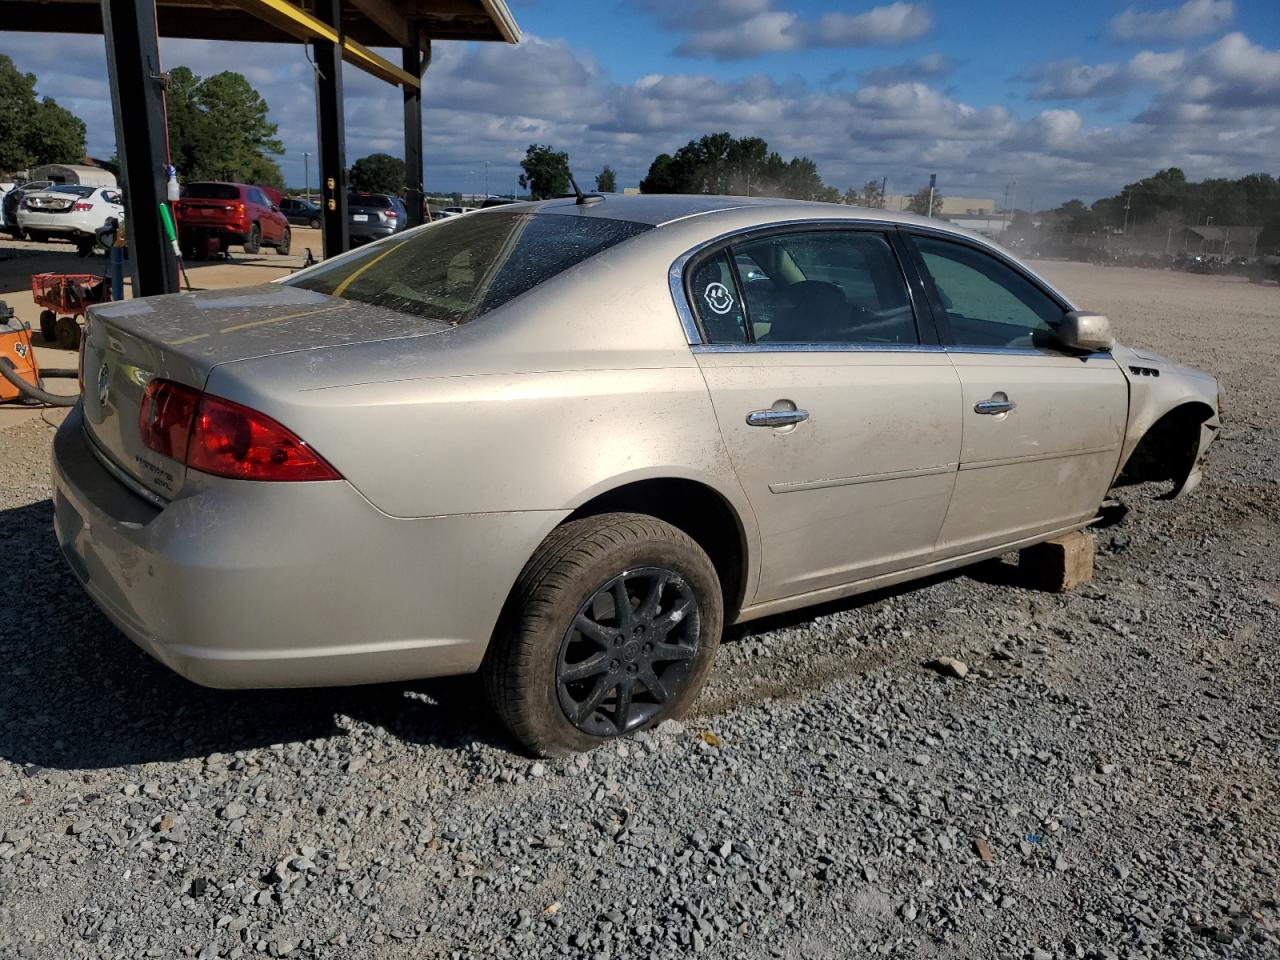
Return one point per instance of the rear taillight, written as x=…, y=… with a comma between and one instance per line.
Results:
x=82, y=206
x=168, y=409
x=391, y=214
x=217, y=436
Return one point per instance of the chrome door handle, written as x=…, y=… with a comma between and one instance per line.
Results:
x=997, y=404
x=776, y=418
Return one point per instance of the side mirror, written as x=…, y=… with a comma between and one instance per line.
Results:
x=1080, y=330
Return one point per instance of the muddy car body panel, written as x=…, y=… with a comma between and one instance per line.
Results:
x=648, y=359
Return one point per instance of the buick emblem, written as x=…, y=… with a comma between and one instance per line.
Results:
x=104, y=385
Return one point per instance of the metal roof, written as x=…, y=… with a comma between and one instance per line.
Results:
x=365, y=21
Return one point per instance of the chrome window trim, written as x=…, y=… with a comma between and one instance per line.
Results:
x=888, y=348
x=675, y=275
x=818, y=348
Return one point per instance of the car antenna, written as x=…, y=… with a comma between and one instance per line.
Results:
x=585, y=199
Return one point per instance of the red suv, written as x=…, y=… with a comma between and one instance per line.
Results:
x=234, y=213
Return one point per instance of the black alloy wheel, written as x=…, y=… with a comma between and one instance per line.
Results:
x=628, y=651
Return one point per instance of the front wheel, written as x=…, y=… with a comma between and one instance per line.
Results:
x=611, y=628
x=314, y=223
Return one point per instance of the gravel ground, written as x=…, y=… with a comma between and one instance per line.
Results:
x=1102, y=783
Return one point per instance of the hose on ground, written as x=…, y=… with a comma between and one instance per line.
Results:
x=33, y=392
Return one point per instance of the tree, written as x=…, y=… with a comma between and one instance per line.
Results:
x=919, y=202
x=718, y=163
x=378, y=173
x=607, y=180
x=34, y=131
x=218, y=129
x=546, y=172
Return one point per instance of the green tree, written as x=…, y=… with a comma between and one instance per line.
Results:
x=720, y=164
x=607, y=180
x=218, y=129
x=34, y=131
x=546, y=172
x=378, y=173
x=919, y=202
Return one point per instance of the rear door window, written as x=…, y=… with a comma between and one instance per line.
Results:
x=825, y=286
x=713, y=290
x=463, y=267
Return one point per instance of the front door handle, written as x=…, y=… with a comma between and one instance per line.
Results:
x=776, y=418
x=999, y=403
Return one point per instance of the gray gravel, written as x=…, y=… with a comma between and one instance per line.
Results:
x=1101, y=782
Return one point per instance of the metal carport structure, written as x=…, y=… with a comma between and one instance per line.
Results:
x=337, y=31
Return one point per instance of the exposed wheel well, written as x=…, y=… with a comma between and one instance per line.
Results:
x=1167, y=451
x=697, y=510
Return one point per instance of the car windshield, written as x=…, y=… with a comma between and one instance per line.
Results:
x=368, y=200
x=211, y=191
x=74, y=189
x=458, y=269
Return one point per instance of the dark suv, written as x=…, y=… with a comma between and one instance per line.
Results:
x=372, y=216
x=301, y=213
x=233, y=213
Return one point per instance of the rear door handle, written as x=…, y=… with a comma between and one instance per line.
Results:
x=776, y=418
x=999, y=403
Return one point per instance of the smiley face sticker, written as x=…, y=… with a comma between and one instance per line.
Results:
x=718, y=298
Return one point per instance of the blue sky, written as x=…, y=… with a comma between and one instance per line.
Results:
x=1068, y=99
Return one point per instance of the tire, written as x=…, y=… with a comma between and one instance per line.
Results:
x=314, y=223
x=35, y=236
x=282, y=247
x=68, y=333
x=85, y=248
x=48, y=326
x=572, y=577
x=253, y=242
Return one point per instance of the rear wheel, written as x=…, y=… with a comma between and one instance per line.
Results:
x=611, y=628
x=48, y=326
x=67, y=333
x=253, y=242
x=35, y=236
x=282, y=247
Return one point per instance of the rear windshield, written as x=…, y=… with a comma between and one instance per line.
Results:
x=368, y=200
x=211, y=191
x=458, y=269
x=73, y=189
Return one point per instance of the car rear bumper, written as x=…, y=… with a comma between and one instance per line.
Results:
x=64, y=223
x=241, y=584
x=369, y=231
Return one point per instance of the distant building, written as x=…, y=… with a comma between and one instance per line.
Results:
x=631, y=191
x=989, y=224
x=1214, y=240
x=950, y=205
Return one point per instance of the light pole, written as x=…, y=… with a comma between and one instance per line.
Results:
x=306, y=172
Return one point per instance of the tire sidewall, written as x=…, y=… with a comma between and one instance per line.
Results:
x=552, y=726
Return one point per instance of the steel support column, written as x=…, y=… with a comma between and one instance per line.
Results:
x=137, y=89
x=331, y=131
x=413, y=194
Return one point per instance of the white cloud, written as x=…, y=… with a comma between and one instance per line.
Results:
x=741, y=29
x=1192, y=19
x=1213, y=110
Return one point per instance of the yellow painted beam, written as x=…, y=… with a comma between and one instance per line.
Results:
x=298, y=23
x=364, y=58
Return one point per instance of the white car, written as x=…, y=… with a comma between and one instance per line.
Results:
x=69, y=212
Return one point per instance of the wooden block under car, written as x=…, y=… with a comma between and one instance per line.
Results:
x=1060, y=564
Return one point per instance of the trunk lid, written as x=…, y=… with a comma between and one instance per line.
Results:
x=50, y=202
x=183, y=336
